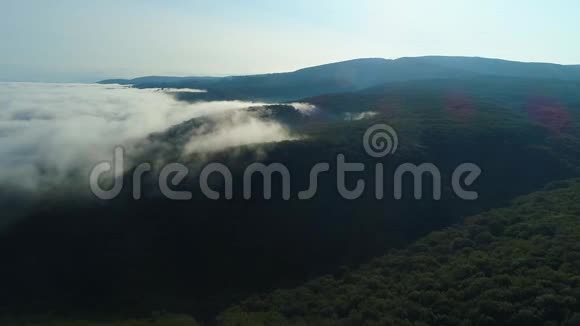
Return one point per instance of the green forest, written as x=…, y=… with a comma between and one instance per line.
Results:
x=510, y=257
x=518, y=265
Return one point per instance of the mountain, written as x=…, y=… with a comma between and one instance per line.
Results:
x=330, y=78
x=126, y=258
x=201, y=256
x=505, y=68
x=352, y=75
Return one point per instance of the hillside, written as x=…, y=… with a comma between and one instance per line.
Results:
x=200, y=256
x=504, y=68
x=517, y=265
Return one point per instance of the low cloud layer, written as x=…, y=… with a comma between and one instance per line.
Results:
x=235, y=129
x=304, y=108
x=181, y=90
x=355, y=116
x=51, y=133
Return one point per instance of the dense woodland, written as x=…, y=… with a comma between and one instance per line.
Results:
x=276, y=262
x=518, y=265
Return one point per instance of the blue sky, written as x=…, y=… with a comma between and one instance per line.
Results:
x=71, y=40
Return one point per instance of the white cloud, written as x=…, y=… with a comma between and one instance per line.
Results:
x=236, y=129
x=181, y=90
x=304, y=108
x=52, y=133
x=355, y=116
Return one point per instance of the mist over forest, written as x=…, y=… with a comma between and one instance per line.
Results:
x=259, y=163
x=73, y=256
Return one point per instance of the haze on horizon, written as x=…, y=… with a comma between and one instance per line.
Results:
x=72, y=41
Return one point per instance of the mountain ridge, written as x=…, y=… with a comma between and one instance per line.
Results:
x=351, y=75
x=368, y=59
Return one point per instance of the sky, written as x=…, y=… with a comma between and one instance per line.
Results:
x=84, y=41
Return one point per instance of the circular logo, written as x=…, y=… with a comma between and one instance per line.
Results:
x=380, y=140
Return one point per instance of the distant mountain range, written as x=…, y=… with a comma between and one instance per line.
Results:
x=352, y=75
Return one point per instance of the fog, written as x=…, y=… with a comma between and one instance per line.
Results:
x=50, y=134
x=235, y=129
x=359, y=115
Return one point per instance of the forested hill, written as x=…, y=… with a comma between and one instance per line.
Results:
x=518, y=265
x=352, y=75
x=201, y=256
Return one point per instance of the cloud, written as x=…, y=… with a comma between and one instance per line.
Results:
x=359, y=115
x=304, y=108
x=52, y=134
x=235, y=129
x=182, y=90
